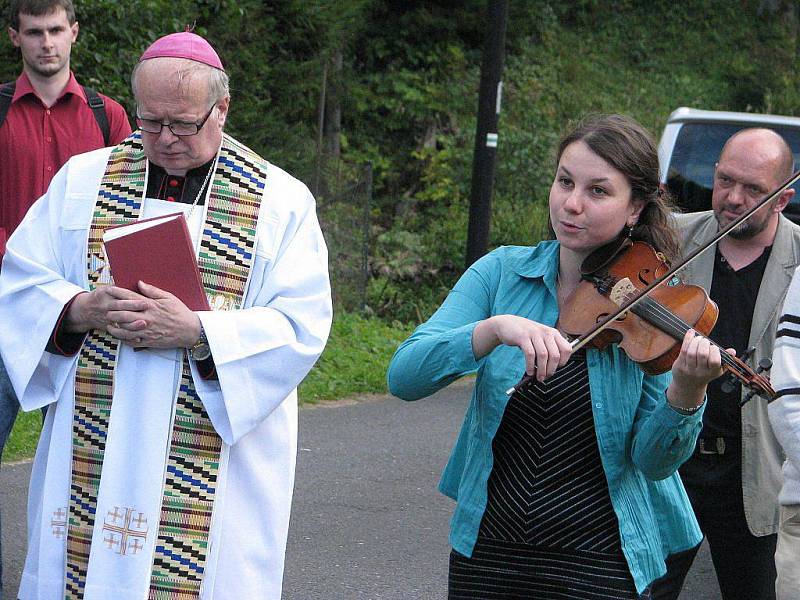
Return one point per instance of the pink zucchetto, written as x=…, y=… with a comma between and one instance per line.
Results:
x=184, y=45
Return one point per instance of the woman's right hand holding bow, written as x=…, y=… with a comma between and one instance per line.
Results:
x=544, y=347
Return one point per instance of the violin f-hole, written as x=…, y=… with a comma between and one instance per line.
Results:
x=642, y=278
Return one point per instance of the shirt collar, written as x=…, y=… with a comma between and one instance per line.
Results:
x=25, y=87
x=539, y=261
x=195, y=172
x=190, y=185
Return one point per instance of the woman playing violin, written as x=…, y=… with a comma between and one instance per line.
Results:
x=567, y=488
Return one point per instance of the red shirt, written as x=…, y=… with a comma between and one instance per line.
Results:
x=35, y=141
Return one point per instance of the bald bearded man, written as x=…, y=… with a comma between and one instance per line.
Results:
x=734, y=476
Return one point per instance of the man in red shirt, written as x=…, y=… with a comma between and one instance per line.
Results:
x=48, y=120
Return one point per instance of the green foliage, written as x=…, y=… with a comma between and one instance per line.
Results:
x=411, y=75
x=395, y=298
x=355, y=359
x=110, y=41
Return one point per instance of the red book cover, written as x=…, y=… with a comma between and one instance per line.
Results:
x=158, y=251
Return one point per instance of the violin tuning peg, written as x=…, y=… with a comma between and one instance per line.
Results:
x=748, y=353
x=765, y=364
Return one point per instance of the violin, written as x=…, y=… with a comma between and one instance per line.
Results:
x=652, y=331
x=623, y=293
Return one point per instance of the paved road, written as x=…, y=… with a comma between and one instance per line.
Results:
x=367, y=520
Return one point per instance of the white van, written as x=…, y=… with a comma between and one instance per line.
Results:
x=690, y=145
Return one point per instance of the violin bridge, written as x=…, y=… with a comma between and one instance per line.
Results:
x=622, y=290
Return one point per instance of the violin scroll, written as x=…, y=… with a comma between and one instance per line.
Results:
x=766, y=392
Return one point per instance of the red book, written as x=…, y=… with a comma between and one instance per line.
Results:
x=158, y=251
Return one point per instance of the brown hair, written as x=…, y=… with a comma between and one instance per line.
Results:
x=628, y=147
x=37, y=8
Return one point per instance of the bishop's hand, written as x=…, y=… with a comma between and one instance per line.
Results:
x=163, y=321
x=92, y=310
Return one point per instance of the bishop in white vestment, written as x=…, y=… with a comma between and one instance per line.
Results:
x=166, y=463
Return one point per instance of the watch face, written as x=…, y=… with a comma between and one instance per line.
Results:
x=201, y=352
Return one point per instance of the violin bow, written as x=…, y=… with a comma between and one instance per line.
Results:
x=648, y=289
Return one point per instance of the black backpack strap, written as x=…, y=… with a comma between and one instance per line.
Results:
x=98, y=107
x=6, y=95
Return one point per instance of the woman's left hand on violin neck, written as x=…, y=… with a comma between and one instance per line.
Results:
x=697, y=364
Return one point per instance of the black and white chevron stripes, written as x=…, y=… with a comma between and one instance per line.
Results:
x=549, y=530
x=548, y=486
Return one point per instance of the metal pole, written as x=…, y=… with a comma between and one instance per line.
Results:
x=486, y=136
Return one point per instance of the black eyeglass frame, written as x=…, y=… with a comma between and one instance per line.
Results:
x=161, y=124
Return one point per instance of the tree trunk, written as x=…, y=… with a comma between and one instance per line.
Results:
x=323, y=88
x=333, y=107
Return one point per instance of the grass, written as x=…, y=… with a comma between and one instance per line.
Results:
x=354, y=362
x=355, y=358
x=22, y=441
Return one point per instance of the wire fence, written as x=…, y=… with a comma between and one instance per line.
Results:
x=344, y=201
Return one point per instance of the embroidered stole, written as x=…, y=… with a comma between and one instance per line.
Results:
x=227, y=248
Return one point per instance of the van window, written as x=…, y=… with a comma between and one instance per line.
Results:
x=691, y=169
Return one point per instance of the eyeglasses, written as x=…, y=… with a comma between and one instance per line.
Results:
x=178, y=128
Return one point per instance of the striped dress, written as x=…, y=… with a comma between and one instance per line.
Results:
x=549, y=531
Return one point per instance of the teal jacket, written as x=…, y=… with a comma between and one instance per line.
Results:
x=642, y=440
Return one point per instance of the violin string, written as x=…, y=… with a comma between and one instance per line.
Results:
x=677, y=327
x=729, y=361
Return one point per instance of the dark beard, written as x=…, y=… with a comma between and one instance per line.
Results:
x=747, y=230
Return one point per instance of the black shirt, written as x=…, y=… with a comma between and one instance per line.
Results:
x=735, y=293
x=176, y=188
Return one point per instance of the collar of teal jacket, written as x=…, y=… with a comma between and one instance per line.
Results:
x=541, y=260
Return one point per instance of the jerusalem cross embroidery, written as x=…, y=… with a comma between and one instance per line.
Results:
x=59, y=523
x=123, y=532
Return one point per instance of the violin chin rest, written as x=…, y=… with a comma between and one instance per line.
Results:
x=605, y=255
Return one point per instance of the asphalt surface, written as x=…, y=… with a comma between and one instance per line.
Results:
x=367, y=521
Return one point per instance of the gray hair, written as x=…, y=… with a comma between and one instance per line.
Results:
x=218, y=84
x=217, y=80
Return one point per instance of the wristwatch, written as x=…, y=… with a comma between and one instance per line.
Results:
x=200, y=350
